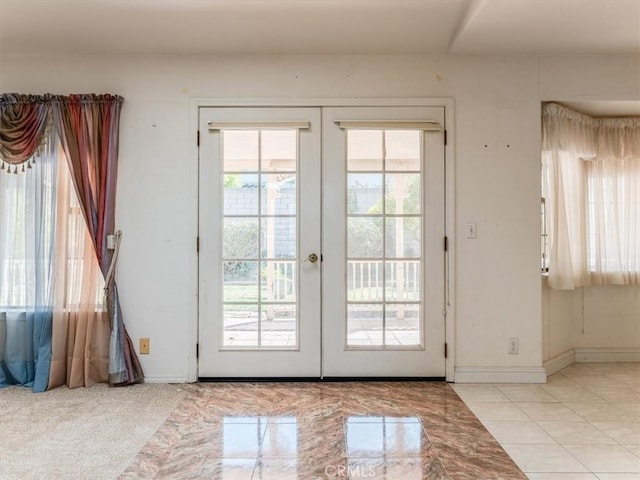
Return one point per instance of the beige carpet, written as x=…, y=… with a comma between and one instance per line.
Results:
x=85, y=433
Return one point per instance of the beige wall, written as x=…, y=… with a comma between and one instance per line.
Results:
x=497, y=145
x=605, y=318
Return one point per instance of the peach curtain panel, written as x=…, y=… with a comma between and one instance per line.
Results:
x=80, y=340
x=88, y=129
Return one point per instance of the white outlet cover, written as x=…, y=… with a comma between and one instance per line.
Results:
x=514, y=345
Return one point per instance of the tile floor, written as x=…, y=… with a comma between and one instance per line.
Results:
x=308, y=431
x=583, y=424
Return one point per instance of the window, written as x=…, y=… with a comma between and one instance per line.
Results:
x=27, y=206
x=591, y=199
x=76, y=263
x=41, y=203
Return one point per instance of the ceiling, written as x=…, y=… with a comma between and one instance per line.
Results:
x=319, y=26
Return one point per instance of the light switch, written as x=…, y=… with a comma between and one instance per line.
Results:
x=471, y=229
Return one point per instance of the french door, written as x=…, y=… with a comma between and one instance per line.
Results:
x=259, y=216
x=383, y=231
x=321, y=234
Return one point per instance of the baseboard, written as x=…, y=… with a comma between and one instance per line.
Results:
x=174, y=379
x=510, y=374
x=605, y=355
x=560, y=361
x=591, y=355
x=500, y=375
x=317, y=379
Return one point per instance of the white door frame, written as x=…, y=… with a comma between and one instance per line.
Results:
x=447, y=103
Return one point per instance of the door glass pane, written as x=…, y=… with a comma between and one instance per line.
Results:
x=240, y=237
x=278, y=237
x=365, y=327
x=278, y=325
x=382, y=233
x=240, y=324
x=403, y=150
x=364, y=280
x=278, y=281
x=364, y=237
x=240, y=281
x=364, y=150
x=259, y=238
x=364, y=193
x=279, y=150
x=402, y=193
x=240, y=194
x=402, y=237
x=240, y=150
x=278, y=194
x=402, y=324
x=402, y=280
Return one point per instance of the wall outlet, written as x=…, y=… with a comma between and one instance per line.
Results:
x=144, y=346
x=514, y=345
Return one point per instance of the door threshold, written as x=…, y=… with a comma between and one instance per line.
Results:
x=317, y=379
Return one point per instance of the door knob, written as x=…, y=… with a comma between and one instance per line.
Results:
x=313, y=258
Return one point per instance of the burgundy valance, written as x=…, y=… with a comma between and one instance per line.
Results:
x=24, y=123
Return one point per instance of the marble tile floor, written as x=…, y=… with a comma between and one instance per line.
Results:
x=583, y=424
x=378, y=430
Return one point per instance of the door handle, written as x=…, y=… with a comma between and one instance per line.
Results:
x=313, y=258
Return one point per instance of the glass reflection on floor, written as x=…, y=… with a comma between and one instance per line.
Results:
x=242, y=436
x=376, y=447
x=383, y=436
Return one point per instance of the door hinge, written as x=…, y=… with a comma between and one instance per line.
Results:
x=446, y=244
x=445, y=350
x=197, y=350
x=198, y=138
x=445, y=137
x=198, y=244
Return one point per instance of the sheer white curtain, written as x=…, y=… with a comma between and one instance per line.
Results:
x=80, y=343
x=27, y=243
x=592, y=189
x=54, y=329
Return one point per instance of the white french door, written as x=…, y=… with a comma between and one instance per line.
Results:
x=260, y=198
x=383, y=270
x=321, y=233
